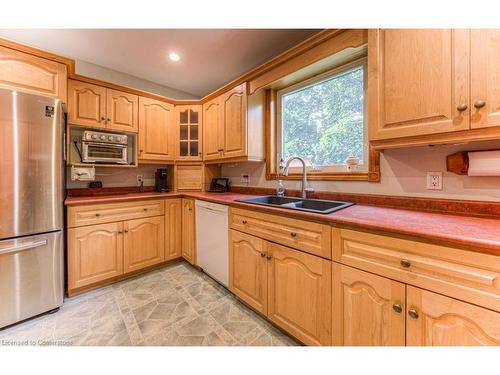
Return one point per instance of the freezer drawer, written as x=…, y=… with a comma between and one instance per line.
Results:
x=31, y=276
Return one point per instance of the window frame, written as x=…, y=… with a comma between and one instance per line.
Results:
x=338, y=71
x=371, y=170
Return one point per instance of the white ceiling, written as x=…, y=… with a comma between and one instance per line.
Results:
x=209, y=57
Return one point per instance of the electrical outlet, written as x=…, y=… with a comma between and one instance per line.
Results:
x=434, y=180
x=245, y=179
x=140, y=179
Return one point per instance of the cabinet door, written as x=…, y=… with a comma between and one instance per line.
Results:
x=188, y=231
x=248, y=269
x=189, y=177
x=122, y=111
x=86, y=104
x=435, y=320
x=213, y=138
x=173, y=225
x=156, y=130
x=234, y=113
x=418, y=82
x=189, y=128
x=367, y=309
x=143, y=243
x=19, y=70
x=485, y=78
x=300, y=294
x=95, y=253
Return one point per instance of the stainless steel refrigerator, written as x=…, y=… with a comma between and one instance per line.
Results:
x=31, y=205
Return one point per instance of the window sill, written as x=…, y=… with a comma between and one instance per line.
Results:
x=341, y=176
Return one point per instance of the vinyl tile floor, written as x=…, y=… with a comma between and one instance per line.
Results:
x=173, y=306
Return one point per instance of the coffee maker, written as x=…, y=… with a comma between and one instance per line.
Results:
x=161, y=179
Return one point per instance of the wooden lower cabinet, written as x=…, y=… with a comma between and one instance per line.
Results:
x=143, y=243
x=439, y=320
x=292, y=288
x=248, y=269
x=173, y=229
x=95, y=253
x=300, y=294
x=188, y=231
x=367, y=309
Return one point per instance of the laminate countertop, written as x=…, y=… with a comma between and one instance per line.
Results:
x=474, y=233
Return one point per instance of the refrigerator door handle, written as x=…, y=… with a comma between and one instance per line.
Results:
x=24, y=246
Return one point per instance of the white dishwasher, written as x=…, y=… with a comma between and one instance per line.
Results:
x=211, y=240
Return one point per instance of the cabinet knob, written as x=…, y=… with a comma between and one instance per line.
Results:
x=413, y=313
x=397, y=308
x=126, y=230
x=293, y=234
x=102, y=118
x=145, y=209
x=244, y=221
x=109, y=119
x=262, y=255
x=141, y=151
x=479, y=104
x=97, y=214
x=269, y=257
x=120, y=232
x=405, y=263
x=462, y=107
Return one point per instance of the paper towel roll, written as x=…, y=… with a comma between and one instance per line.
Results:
x=484, y=163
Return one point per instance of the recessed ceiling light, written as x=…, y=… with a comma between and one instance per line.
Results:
x=173, y=56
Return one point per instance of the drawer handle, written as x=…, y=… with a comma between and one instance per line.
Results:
x=262, y=255
x=244, y=221
x=405, y=263
x=397, y=308
x=269, y=257
x=413, y=314
x=97, y=215
x=120, y=232
x=293, y=234
x=145, y=209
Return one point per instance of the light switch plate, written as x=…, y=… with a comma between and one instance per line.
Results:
x=434, y=181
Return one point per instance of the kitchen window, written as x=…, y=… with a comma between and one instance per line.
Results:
x=323, y=120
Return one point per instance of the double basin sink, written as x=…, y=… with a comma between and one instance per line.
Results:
x=317, y=206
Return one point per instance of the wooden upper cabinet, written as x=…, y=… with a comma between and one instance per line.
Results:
x=248, y=269
x=485, y=78
x=300, y=294
x=234, y=110
x=173, y=226
x=86, y=104
x=213, y=138
x=143, y=243
x=367, y=309
x=156, y=130
x=189, y=132
x=122, y=111
x=439, y=320
x=418, y=82
x=95, y=253
x=188, y=231
x=19, y=70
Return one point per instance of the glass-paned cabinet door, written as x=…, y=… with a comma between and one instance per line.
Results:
x=190, y=132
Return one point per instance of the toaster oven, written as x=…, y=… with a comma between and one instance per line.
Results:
x=100, y=147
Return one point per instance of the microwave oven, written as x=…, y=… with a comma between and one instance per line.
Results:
x=100, y=147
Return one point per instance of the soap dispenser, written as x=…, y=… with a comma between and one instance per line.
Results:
x=280, y=188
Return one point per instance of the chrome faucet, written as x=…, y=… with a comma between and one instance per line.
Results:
x=304, y=174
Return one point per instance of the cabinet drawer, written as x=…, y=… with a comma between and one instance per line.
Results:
x=303, y=235
x=109, y=212
x=462, y=274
